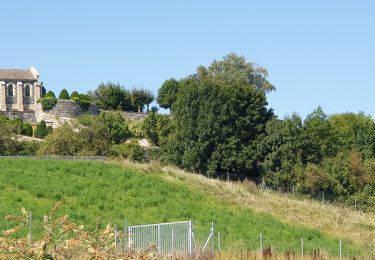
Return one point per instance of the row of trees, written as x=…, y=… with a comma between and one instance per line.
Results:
x=115, y=97
x=221, y=125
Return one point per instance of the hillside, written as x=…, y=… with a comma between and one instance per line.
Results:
x=151, y=194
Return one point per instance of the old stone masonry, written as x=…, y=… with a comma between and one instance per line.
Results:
x=20, y=91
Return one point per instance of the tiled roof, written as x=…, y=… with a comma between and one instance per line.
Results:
x=16, y=74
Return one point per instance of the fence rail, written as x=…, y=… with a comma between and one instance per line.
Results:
x=168, y=238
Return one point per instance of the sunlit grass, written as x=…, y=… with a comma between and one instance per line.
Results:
x=114, y=192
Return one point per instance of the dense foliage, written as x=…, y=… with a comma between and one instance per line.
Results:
x=64, y=94
x=111, y=96
x=75, y=96
x=41, y=130
x=167, y=93
x=48, y=103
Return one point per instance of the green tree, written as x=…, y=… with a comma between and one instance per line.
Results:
x=50, y=94
x=64, y=94
x=217, y=126
x=112, y=96
x=157, y=128
x=41, y=130
x=354, y=132
x=167, y=93
x=116, y=125
x=234, y=68
x=141, y=97
x=74, y=96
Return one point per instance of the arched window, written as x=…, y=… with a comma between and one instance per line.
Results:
x=27, y=90
x=10, y=90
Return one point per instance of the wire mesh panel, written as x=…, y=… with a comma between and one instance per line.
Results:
x=169, y=238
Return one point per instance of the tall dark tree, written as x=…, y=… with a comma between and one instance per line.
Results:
x=167, y=93
x=218, y=125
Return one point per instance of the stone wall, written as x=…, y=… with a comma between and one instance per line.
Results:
x=129, y=115
x=28, y=116
x=71, y=109
x=64, y=111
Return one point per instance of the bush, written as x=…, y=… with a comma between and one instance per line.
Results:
x=41, y=130
x=131, y=150
x=85, y=97
x=74, y=96
x=26, y=129
x=28, y=148
x=48, y=103
x=64, y=94
x=50, y=94
x=84, y=105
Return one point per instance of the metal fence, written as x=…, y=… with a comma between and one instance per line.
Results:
x=169, y=238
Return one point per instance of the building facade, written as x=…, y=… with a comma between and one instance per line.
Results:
x=20, y=89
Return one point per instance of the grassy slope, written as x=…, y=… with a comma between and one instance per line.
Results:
x=92, y=189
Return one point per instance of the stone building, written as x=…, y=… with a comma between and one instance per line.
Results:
x=20, y=89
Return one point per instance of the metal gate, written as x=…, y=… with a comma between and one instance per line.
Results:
x=169, y=238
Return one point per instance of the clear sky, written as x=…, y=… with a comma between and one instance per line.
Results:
x=317, y=52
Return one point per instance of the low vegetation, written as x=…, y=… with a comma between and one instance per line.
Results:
x=88, y=190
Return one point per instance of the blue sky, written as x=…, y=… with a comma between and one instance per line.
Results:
x=317, y=52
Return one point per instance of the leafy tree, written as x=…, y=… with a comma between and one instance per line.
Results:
x=116, y=125
x=323, y=143
x=112, y=96
x=218, y=126
x=354, y=132
x=234, y=68
x=167, y=93
x=64, y=94
x=41, y=130
x=75, y=96
x=141, y=97
x=50, y=94
x=157, y=127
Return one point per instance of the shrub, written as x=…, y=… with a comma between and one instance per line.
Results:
x=131, y=150
x=48, y=103
x=50, y=94
x=85, y=97
x=84, y=105
x=74, y=96
x=41, y=130
x=28, y=148
x=64, y=94
x=26, y=129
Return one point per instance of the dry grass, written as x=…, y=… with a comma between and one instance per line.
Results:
x=334, y=221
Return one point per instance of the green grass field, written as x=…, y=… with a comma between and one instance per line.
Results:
x=90, y=190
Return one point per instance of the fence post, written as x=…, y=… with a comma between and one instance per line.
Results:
x=125, y=235
x=340, y=249
x=172, y=241
x=29, y=236
x=302, y=246
x=130, y=245
x=218, y=242
x=261, y=243
x=190, y=236
x=159, y=239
